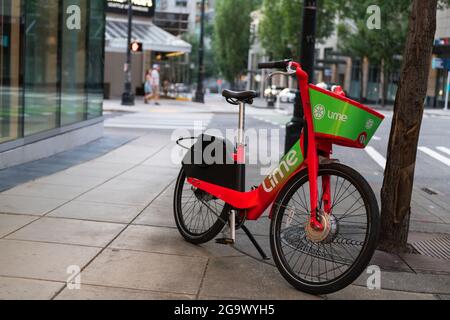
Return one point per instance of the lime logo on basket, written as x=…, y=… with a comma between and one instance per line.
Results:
x=369, y=124
x=319, y=112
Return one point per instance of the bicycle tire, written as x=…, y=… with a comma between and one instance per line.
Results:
x=216, y=221
x=298, y=279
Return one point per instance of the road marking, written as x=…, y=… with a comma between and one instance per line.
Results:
x=444, y=150
x=376, y=156
x=435, y=155
x=376, y=138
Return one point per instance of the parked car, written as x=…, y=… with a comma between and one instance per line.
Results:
x=288, y=95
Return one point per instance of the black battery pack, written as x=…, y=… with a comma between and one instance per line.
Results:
x=211, y=159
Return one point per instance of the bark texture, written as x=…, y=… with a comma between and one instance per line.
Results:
x=408, y=112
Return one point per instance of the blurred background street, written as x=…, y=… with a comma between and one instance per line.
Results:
x=111, y=215
x=93, y=95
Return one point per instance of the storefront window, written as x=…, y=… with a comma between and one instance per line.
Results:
x=10, y=91
x=355, y=86
x=51, y=65
x=41, y=66
x=373, y=85
x=441, y=82
x=73, y=59
x=95, y=61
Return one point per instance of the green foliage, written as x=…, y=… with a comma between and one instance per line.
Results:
x=231, y=40
x=208, y=60
x=356, y=39
x=281, y=26
x=443, y=4
x=271, y=38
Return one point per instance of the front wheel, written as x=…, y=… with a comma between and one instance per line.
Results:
x=326, y=261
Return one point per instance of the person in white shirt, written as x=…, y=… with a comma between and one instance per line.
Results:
x=156, y=83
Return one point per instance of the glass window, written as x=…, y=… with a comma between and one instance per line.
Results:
x=181, y=3
x=51, y=64
x=355, y=84
x=374, y=73
x=356, y=70
x=327, y=53
x=41, y=66
x=373, y=84
x=73, y=62
x=95, y=61
x=10, y=91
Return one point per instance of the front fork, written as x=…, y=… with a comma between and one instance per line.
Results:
x=324, y=202
x=326, y=196
x=311, y=150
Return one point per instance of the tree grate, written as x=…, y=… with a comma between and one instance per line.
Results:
x=436, y=248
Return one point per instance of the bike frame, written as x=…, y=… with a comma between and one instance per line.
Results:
x=303, y=155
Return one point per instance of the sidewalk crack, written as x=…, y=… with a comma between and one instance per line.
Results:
x=197, y=296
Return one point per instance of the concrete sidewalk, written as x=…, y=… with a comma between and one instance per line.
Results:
x=111, y=218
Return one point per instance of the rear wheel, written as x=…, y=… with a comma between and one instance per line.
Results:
x=199, y=216
x=326, y=261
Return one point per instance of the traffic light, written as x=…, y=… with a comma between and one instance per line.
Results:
x=136, y=47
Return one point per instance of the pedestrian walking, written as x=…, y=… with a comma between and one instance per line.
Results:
x=148, y=86
x=156, y=82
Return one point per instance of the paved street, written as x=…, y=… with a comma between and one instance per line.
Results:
x=110, y=215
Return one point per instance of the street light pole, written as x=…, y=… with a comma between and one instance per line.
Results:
x=294, y=127
x=199, y=94
x=128, y=96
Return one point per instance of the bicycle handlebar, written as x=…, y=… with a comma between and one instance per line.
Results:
x=274, y=64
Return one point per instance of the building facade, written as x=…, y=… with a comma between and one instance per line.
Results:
x=438, y=76
x=361, y=78
x=158, y=47
x=51, y=76
x=255, y=77
x=176, y=16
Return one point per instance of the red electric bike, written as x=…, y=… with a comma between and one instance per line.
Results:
x=324, y=215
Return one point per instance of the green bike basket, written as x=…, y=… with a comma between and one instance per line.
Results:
x=342, y=121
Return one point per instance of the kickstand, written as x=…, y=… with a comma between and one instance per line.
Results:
x=255, y=243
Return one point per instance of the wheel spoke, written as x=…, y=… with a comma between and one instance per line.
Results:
x=320, y=261
x=199, y=211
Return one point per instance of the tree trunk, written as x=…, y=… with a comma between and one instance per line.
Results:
x=408, y=112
